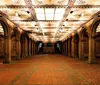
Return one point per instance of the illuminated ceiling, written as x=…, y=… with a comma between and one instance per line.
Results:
x=49, y=20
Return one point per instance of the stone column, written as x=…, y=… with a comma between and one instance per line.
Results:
x=63, y=48
x=69, y=53
x=29, y=48
x=18, y=49
x=73, y=47
x=92, y=50
x=26, y=48
x=81, y=49
x=66, y=47
x=7, y=47
x=23, y=48
x=32, y=47
x=36, y=48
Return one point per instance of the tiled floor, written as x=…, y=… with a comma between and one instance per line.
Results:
x=50, y=70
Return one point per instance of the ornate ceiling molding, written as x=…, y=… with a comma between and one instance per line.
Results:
x=48, y=20
x=49, y=6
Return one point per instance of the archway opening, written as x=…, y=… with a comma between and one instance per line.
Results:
x=40, y=47
x=57, y=47
x=1, y=43
x=97, y=41
x=77, y=45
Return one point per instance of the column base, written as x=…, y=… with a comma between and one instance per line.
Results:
x=92, y=61
x=18, y=58
x=81, y=57
x=30, y=55
x=6, y=62
x=76, y=56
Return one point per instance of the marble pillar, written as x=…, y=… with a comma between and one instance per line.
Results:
x=92, y=50
x=18, y=49
x=7, y=47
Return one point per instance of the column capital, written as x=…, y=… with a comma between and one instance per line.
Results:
x=17, y=39
x=7, y=37
x=81, y=40
x=91, y=37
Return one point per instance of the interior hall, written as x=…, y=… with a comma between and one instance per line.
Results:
x=49, y=42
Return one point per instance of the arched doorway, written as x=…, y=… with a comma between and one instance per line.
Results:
x=57, y=47
x=94, y=41
x=83, y=44
x=2, y=43
x=5, y=32
x=97, y=41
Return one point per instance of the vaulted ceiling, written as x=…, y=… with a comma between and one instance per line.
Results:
x=49, y=20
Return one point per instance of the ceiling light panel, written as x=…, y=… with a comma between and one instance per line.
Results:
x=13, y=2
x=59, y=12
x=40, y=13
x=49, y=13
x=89, y=2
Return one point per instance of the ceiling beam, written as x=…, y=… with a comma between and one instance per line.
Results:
x=48, y=20
x=49, y=6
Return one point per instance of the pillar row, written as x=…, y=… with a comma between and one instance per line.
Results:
x=92, y=50
x=29, y=47
x=7, y=53
x=18, y=49
x=81, y=49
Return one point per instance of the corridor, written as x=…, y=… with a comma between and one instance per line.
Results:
x=49, y=69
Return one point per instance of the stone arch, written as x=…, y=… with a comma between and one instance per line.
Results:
x=7, y=41
x=91, y=35
x=5, y=28
x=94, y=26
x=17, y=33
x=95, y=44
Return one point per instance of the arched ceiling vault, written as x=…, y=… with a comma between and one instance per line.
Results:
x=49, y=20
